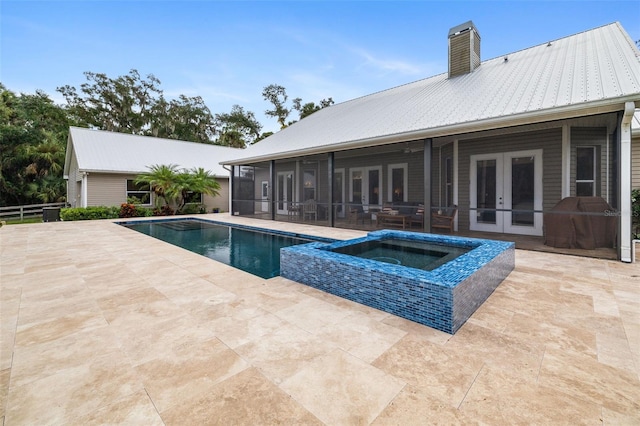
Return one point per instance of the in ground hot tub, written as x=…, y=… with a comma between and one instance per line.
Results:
x=435, y=280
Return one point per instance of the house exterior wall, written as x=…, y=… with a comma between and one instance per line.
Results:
x=107, y=189
x=74, y=183
x=221, y=201
x=415, y=171
x=110, y=189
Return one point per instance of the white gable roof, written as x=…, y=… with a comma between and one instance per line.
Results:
x=111, y=152
x=587, y=73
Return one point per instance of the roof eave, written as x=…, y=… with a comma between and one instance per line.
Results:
x=124, y=172
x=529, y=117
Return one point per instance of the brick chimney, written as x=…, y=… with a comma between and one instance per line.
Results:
x=464, y=49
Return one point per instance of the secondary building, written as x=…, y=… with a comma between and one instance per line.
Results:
x=100, y=167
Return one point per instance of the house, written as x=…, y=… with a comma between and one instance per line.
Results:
x=100, y=167
x=504, y=140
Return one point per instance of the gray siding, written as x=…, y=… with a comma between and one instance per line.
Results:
x=221, y=201
x=110, y=189
x=74, y=184
x=107, y=189
x=550, y=141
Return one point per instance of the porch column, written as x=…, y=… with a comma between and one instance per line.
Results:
x=330, y=171
x=272, y=180
x=624, y=179
x=566, y=161
x=428, y=146
x=231, y=189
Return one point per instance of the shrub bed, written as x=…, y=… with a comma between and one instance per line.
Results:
x=89, y=213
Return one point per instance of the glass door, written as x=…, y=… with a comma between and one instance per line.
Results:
x=506, y=192
x=365, y=187
x=486, y=193
x=523, y=192
x=284, y=192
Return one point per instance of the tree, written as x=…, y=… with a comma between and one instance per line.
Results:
x=33, y=136
x=136, y=105
x=174, y=185
x=310, y=107
x=238, y=128
x=277, y=95
x=185, y=118
x=123, y=104
x=160, y=179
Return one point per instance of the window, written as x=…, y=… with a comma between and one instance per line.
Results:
x=585, y=171
x=193, y=197
x=397, y=187
x=138, y=193
x=309, y=185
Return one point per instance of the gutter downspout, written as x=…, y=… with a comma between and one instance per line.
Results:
x=85, y=190
x=625, y=182
x=230, y=187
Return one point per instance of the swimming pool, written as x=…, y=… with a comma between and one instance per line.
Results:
x=409, y=253
x=253, y=250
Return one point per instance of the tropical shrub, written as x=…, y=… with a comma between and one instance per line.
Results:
x=128, y=210
x=175, y=186
x=163, y=211
x=193, y=208
x=89, y=213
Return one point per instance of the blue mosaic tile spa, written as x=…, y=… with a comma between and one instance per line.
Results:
x=384, y=270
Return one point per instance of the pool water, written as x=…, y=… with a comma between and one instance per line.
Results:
x=412, y=254
x=248, y=249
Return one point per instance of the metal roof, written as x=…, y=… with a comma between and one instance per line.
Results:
x=112, y=152
x=588, y=73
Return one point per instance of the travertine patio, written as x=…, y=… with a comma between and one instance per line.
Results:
x=101, y=324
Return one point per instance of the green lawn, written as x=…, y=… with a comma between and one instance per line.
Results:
x=26, y=220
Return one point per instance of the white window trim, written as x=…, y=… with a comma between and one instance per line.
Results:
x=405, y=181
x=595, y=163
x=127, y=192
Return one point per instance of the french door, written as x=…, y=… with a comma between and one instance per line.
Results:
x=284, y=191
x=506, y=192
x=364, y=186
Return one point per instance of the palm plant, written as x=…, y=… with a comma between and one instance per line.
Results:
x=161, y=179
x=174, y=185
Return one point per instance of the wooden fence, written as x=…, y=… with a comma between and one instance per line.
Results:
x=27, y=211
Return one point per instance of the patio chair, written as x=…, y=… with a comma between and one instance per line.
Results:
x=310, y=209
x=357, y=214
x=445, y=219
x=293, y=209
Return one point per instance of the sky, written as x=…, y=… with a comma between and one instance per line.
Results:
x=228, y=51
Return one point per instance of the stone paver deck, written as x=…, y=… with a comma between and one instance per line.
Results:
x=101, y=324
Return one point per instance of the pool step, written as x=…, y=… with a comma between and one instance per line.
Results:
x=182, y=225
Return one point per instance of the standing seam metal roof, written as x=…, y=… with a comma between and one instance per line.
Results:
x=574, y=73
x=102, y=151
